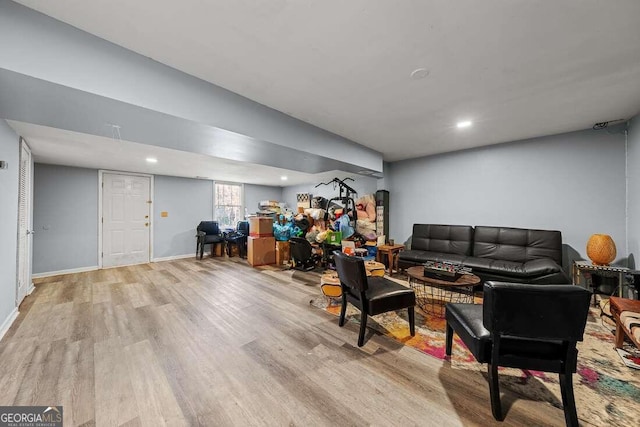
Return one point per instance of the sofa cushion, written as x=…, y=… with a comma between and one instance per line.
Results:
x=539, y=267
x=420, y=257
x=496, y=265
x=517, y=244
x=453, y=239
x=536, y=267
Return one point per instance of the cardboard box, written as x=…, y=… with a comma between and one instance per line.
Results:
x=260, y=226
x=283, y=252
x=218, y=249
x=261, y=250
x=233, y=250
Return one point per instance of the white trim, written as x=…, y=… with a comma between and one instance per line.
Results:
x=173, y=257
x=18, y=298
x=60, y=272
x=8, y=322
x=100, y=177
x=95, y=267
x=152, y=221
x=242, y=201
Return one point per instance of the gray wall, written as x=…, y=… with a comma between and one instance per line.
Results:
x=9, y=152
x=254, y=194
x=36, y=45
x=65, y=218
x=633, y=180
x=187, y=202
x=66, y=215
x=572, y=182
x=363, y=185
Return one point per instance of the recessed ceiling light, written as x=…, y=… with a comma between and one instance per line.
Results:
x=284, y=177
x=464, y=124
x=152, y=160
x=419, y=73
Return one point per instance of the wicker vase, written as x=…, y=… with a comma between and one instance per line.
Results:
x=601, y=249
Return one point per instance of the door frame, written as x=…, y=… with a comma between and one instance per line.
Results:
x=29, y=261
x=101, y=173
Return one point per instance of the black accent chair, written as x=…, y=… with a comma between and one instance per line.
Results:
x=524, y=326
x=302, y=254
x=238, y=238
x=372, y=295
x=208, y=233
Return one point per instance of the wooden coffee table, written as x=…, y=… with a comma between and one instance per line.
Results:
x=432, y=294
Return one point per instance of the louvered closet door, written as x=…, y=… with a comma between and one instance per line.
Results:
x=24, y=224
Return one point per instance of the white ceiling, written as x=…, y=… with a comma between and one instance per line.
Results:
x=61, y=147
x=516, y=68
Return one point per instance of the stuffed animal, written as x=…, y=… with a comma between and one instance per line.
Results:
x=366, y=208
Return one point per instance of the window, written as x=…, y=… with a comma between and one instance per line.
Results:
x=227, y=199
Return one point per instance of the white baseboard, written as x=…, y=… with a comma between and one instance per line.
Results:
x=59, y=272
x=8, y=322
x=95, y=267
x=173, y=257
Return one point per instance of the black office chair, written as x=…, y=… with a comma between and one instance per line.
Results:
x=238, y=238
x=372, y=295
x=208, y=233
x=524, y=326
x=304, y=258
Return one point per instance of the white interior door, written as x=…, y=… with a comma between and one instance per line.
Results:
x=126, y=210
x=25, y=232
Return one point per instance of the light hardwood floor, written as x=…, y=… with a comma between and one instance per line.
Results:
x=216, y=342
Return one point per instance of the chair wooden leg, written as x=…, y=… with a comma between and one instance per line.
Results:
x=363, y=328
x=343, y=310
x=619, y=334
x=448, y=340
x=412, y=321
x=568, y=400
x=494, y=392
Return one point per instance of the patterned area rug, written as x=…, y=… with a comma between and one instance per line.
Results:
x=606, y=391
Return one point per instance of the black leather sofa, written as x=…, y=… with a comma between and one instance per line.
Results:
x=494, y=253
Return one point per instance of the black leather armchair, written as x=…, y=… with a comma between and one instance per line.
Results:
x=372, y=295
x=208, y=233
x=304, y=258
x=524, y=326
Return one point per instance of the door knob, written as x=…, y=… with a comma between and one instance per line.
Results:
x=30, y=232
x=146, y=224
x=146, y=216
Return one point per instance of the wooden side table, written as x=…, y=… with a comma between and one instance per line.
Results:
x=392, y=252
x=585, y=269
